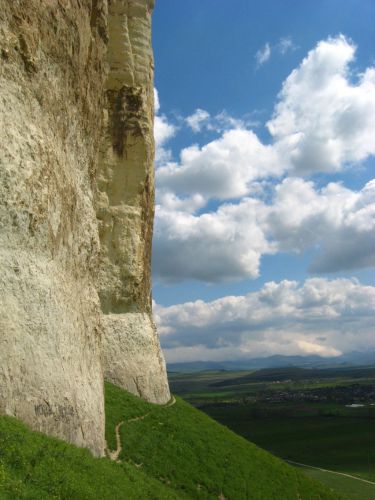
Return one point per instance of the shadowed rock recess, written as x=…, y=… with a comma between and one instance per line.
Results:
x=76, y=143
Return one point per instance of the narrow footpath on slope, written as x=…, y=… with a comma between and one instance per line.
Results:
x=113, y=455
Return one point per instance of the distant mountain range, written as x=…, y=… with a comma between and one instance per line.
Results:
x=276, y=361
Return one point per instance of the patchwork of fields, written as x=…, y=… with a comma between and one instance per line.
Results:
x=322, y=418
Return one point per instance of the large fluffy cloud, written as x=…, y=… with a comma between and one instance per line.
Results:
x=219, y=246
x=317, y=317
x=227, y=243
x=338, y=220
x=224, y=205
x=223, y=168
x=322, y=122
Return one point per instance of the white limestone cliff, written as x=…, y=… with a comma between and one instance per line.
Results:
x=131, y=356
x=52, y=101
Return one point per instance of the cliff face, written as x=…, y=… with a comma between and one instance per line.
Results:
x=51, y=86
x=52, y=97
x=131, y=355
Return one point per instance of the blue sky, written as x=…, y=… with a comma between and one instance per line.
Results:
x=255, y=186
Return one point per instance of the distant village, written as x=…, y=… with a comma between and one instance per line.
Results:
x=354, y=394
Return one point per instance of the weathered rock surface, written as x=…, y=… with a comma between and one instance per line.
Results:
x=133, y=358
x=56, y=99
x=131, y=355
x=51, y=87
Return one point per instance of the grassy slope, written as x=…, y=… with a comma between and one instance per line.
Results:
x=194, y=455
x=174, y=452
x=33, y=466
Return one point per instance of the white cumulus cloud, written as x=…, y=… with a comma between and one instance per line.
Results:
x=318, y=316
x=339, y=220
x=323, y=121
x=228, y=243
x=163, y=132
x=220, y=246
x=223, y=168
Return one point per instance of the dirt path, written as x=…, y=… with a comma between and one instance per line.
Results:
x=171, y=402
x=113, y=455
x=331, y=471
x=135, y=419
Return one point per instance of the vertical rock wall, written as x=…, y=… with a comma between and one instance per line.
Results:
x=52, y=72
x=51, y=87
x=132, y=357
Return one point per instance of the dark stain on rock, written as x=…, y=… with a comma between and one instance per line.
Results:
x=5, y=54
x=125, y=108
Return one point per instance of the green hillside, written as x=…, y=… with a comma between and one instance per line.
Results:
x=167, y=452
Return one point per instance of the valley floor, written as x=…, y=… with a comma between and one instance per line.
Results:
x=322, y=418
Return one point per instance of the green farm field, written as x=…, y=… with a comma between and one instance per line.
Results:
x=321, y=418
